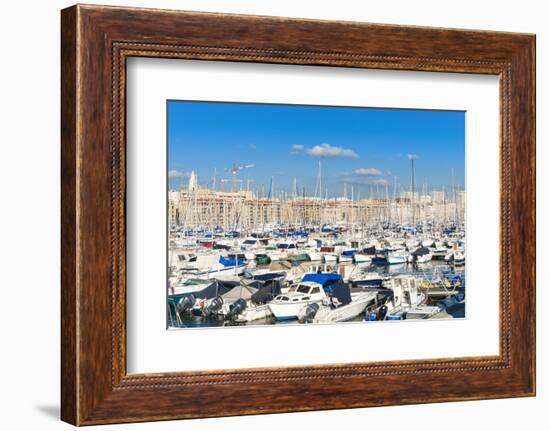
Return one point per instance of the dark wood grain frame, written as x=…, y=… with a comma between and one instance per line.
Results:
x=95, y=43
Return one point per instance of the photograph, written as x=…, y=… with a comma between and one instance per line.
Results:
x=284, y=214
x=275, y=215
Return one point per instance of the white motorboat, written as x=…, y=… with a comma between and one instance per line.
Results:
x=406, y=295
x=287, y=306
x=427, y=242
x=249, y=308
x=256, y=312
x=310, y=290
x=229, y=268
x=330, y=258
x=347, y=255
x=456, y=257
x=188, y=286
x=314, y=255
x=265, y=274
x=420, y=255
x=282, y=251
x=412, y=244
x=366, y=279
x=391, y=258
x=254, y=243
x=361, y=258
x=193, y=260
x=335, y=312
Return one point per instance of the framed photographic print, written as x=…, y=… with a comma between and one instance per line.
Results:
x=326, y=214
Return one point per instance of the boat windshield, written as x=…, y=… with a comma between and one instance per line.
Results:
x=250, y=241
x=193, y=282
x=236, y=256
x=302, y=289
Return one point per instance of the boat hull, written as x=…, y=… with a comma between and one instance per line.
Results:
x=288, y=311
x=254, y=313
x=345, y=312
x=389, y=260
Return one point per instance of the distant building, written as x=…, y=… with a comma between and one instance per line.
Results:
x=410, y=195
x=199, y=206
x=425, y=199
x=438, y=197
x=193, y=182
x=461, y=202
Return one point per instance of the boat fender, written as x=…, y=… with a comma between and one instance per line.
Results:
x=214, y=306
x=185, y=303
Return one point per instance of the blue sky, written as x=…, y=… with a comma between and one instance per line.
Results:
x=363, y=147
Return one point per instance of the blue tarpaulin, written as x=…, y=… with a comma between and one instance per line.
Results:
x=332, y=284
x=231, y=262
x=323, y=279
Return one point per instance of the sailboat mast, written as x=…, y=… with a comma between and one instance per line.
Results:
x=412, y=192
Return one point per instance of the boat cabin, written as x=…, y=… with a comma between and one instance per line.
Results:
x=406, y=290
x=304, y=291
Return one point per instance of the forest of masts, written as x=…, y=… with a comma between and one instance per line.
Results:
x=252, y=209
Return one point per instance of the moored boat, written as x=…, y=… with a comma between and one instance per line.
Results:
x=312, y=289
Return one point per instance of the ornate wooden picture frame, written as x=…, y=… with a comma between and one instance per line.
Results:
x=96, y=41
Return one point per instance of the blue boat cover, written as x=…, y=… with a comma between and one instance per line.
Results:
x=303, y=234
x=231, y=262
x=349, y=253
x=333, y=285
x=324, y=279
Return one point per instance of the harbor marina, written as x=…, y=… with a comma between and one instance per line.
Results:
x=209, y=286
x=267, y=223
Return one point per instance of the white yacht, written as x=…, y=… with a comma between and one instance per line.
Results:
x=391, y=258
x=310, y=290
x=282, y=251
x=406, y=296
x=456, y=257
x=420, y=255
x=336, y=312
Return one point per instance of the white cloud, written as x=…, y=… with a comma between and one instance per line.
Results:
x=364, y=176
x=367, y=172
x=296, y=150
x=412, y=156
x=327, y=150
x=252, y=146
x=173, y=173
